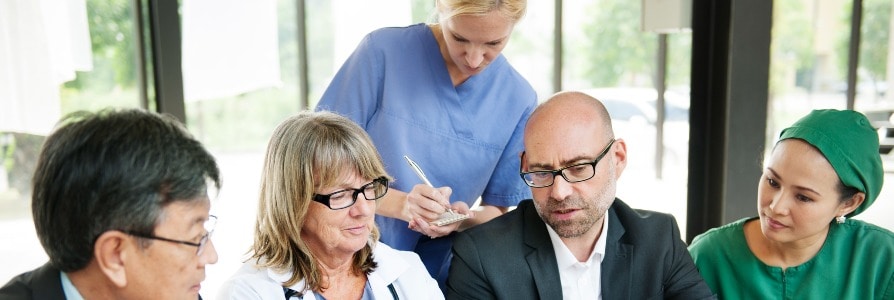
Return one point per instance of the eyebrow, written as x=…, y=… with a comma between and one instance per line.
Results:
x=459, y=37
x=564, y=163
x=779, y=178
x=344, y=186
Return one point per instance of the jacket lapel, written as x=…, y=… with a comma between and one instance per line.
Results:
x=616, y=266
x=541, y=258
x=47, y=283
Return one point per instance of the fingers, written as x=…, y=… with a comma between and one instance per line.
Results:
x=445, y=192
x=432, y=231
x=427, y=202
x=461, y=208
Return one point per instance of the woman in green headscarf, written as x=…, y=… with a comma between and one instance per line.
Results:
x=823, y=170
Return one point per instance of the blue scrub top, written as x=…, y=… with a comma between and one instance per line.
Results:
x=396, y=86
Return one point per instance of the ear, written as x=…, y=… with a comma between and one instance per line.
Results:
x=619, y=155
x=521, y=161
x=851, y=204
x=111, y=252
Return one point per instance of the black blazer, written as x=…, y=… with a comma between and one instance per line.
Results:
x=512, y=257
x=41, y=283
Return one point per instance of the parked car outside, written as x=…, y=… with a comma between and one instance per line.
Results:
x=881, y=119
x=634, y=118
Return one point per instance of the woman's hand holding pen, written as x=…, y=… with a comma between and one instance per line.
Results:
x=425, y=204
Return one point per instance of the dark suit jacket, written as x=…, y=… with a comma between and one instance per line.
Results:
x=41, y=283
x=512, y=257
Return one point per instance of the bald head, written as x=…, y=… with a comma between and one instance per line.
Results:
x=570, y=109
x=572, y=131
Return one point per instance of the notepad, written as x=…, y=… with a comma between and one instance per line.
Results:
x=449, y=217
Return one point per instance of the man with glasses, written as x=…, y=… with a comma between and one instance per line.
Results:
x=120, y=205
x=575, y=239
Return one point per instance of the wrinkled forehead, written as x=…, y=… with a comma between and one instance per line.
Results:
x=563, y=141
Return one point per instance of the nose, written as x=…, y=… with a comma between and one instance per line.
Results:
x=209, y=254
x=474, y=56
x=778, y=204
x=560, y=189
x=363, y=207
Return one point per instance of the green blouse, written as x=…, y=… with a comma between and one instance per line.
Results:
x=855, y=262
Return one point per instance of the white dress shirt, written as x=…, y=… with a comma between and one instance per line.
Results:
x=580, y=280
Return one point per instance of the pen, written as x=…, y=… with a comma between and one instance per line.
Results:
x=418, y=171
x=421, y=175
x=449, y=216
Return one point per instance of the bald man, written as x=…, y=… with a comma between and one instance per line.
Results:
x=575, y=239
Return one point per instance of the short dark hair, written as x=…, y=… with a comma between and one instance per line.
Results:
x=846, y=192
x=113, y=170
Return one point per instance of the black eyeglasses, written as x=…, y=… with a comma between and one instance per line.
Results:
x=200, y=246
x=343, y=199
x=573, y=173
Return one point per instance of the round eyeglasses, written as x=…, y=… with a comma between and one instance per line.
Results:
x=346, y=197
x=573, y=173
x=209, y=225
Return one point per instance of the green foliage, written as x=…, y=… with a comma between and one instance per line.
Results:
x=793, y=38
x=240, y=123
x=874, y=31
x=92, y=99
x=679, y=59
x=320, y=41
x=112, y=82
x=423, y=11
x=792, y=42
x=287, y=35
x=874, y=38
x=10, y=147
x=112, y=39
x=615, y=46
x=619, y=50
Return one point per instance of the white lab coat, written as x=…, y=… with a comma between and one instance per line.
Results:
x=403, y=269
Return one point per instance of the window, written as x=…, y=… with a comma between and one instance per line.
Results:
x=808, y=70
x=74, y=57
x=610, y=57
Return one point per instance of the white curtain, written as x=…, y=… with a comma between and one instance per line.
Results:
x=42, y=44
x=229, y=47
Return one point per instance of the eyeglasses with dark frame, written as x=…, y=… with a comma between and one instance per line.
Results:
x=200, y=246
x=573, y=173
x=339, y=199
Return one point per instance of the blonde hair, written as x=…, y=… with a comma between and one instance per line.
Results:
x=307, y=151
x=513, y=10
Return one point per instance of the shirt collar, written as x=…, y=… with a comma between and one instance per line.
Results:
x=390, y=267
x=71, y=292
x=565, y=259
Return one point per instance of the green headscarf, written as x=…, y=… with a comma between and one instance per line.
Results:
x=848, y=141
